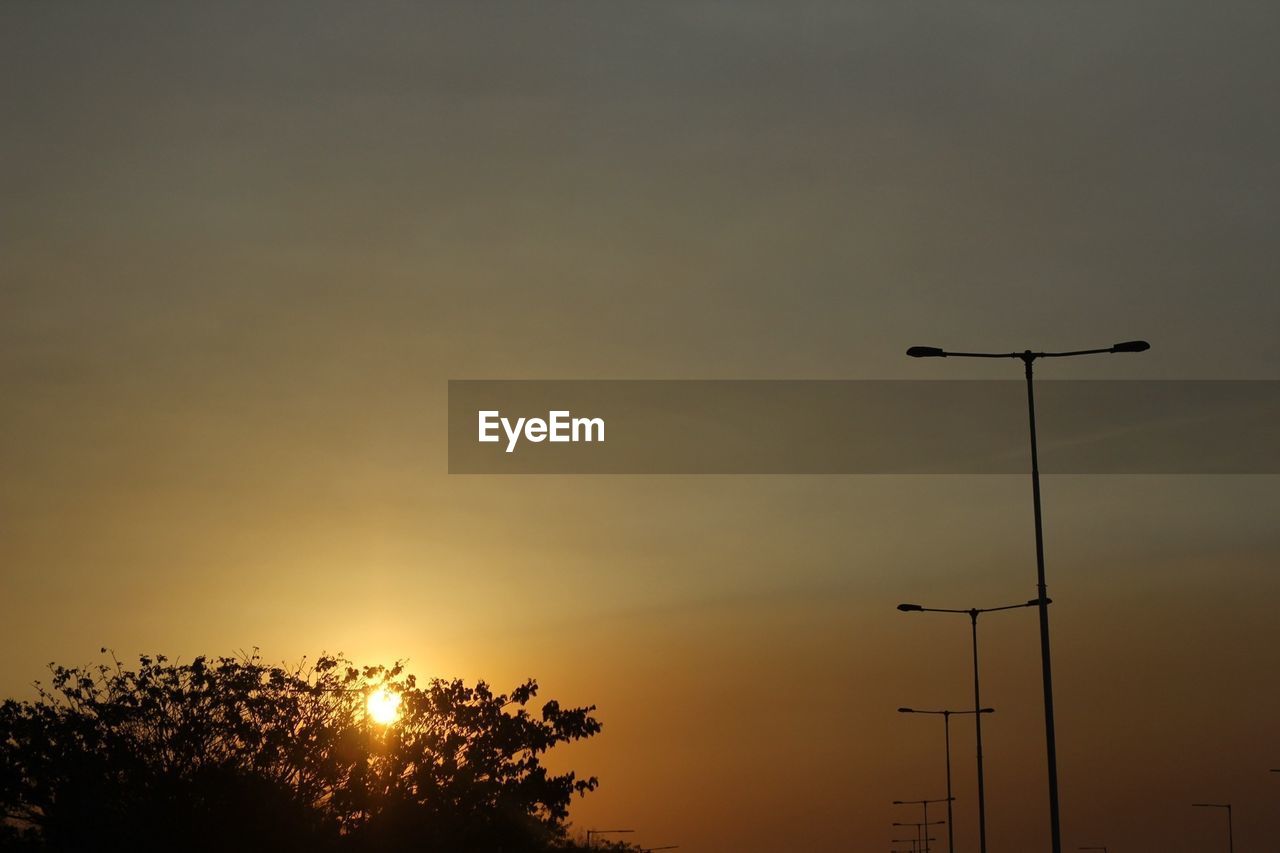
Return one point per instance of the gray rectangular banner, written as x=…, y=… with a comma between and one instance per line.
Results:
x=861, y=427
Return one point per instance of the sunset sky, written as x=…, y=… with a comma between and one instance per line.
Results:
x=243, y=249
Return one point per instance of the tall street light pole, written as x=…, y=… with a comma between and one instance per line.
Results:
x=973, y=613
x=1028, y=358
x=946, y=727
x=1231, y=841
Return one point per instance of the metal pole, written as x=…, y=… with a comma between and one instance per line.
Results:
x=1231, y=833
x=1055, y=827
x=951, y=837
x=977, y=723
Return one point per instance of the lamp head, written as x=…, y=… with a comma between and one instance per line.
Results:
x=906, y=710
x=1131, y=346
x=909, y=608
x=926, y=352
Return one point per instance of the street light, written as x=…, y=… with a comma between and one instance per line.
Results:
x=1028, y=358
x=946, y=727
x=1231, y=842
x=925, y=805
x=973, y=613
x=591, y=832
x=922, y=829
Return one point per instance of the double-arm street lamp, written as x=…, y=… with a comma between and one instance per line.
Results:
x=1028, y=358
x=973, y=613
x=914, y=842
x=924, y=804
x=922, y=830
x=946, y=728
x=1231, y=842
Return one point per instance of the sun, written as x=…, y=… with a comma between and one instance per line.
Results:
x=384, y=706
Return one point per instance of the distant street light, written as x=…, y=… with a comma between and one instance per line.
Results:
x=946, y=727
x=973, y=613
x=925, y=805
x=1231, y=843
x=592, y=832
x=1042, y=593
x=922, y=830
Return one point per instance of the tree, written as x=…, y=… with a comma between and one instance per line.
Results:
x=233, y=754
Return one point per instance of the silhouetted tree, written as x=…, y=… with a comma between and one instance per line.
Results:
x=232, y=754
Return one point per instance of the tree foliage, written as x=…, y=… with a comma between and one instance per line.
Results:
x=233, y=754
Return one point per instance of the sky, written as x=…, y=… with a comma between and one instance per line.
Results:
x=243, y=249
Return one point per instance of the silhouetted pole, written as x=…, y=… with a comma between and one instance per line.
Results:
x=1028, y=357
x=977, y=727
x=1231, y=841
x=922, y=828
x=925, y=804
x=951, y=825
x=591, y=832
x=946, y=727
x=914, y=842
x=920, y=842
x=973, y=613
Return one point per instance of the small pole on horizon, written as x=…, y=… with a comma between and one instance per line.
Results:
x=591, y=832
x=922, y=829
x=1231, y=841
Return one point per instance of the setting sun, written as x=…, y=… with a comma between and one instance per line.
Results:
x=384, y=706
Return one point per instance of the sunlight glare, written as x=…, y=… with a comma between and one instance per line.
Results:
x=384, y=706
